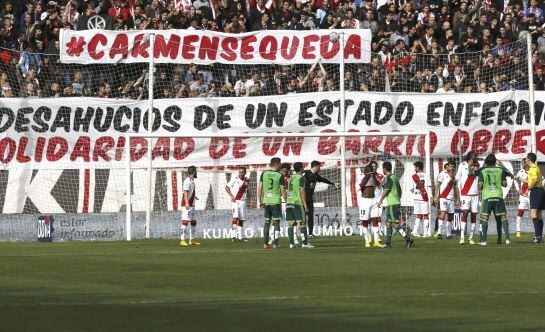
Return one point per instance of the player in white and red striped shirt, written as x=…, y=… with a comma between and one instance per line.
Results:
x=188, y=208
x=421, y=200
x=376, y=214
x=524, y=195
x=469, y=193
x=446, y=198
x=237, y=189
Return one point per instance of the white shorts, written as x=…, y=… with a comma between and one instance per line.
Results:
x=188, y=215
x=470, y=203
x=239, y=210
x=376, y=211
x=421, y=207
x=524, y=203
x=369, y=208
x=446, y=205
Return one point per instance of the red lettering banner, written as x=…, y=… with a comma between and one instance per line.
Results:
x=206, y=47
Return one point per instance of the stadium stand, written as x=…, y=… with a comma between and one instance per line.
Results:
x=418, y=46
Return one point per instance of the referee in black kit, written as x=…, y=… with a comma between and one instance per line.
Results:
x=311, y=177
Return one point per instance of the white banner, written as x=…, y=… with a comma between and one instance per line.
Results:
x=82, y=133
x=282, y=47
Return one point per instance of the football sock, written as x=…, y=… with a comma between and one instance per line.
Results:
x=182, y=235
x=389, y=231
x=540, y=224
x=427, y=226
x=484, y=232
x=266, y=231
x=366, y=236
x=233, y=228
x=376, y=234
x=506, y=229
x=304, y=234
x=277, y=232
x=439, y=226
x=290, y=234
x=472, y=230
x=192, y=232
x=239, y=232
x=402, y=233
x=416, y=225
x=498, y=228
x=517, y=224
x=449, y=228
x=462, y=229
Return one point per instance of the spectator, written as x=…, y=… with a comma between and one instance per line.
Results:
x=198, y=88
x=474, y=42
x=539, y=80
x=446, y=88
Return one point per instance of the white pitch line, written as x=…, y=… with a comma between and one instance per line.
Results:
x=191, y=251
x=278, y=298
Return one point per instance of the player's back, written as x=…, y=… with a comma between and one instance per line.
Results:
x=271, y=182
x=491, y=179
x=392, y=184
x=295, y=184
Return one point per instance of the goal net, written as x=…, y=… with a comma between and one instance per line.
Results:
x=218, y=158
x=63, y=124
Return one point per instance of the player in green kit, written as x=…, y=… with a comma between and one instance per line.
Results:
x=296, y=206
x=392, y=193
x=492, y=178
x=270, y=192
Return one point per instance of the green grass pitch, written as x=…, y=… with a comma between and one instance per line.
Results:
x=155, y=285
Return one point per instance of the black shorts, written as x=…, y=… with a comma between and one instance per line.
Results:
x=393, y=213
x=537, y=199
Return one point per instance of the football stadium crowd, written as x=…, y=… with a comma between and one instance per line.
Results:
x=447, y=46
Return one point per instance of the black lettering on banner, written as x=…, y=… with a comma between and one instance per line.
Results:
x=42, y=114
x=102, y=126
x=433, y=114
x=363, y=113
x=200, y=122
x=488, y=112
x=118, y=119
x=469, y=111
x=21, y=121
x=136, y=119
x=156, y=119
x=508, y=108
x=538, y=105
x=324, y=110
x=347, y=103
x=224, y=118
x=62, y=119
x=83, y=120
x=250, y=115
x=400, y=109
x=304, y=115
x=10, y=117
x=453, y=115
x=274, y=114
x=172, y=115
x=378, y=112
